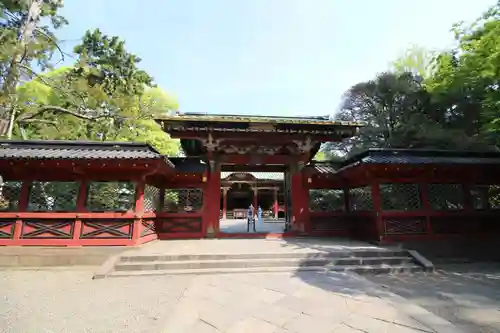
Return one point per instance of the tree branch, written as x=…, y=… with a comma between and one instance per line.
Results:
x=40, y=31
x=56, y=109
x=47, y=83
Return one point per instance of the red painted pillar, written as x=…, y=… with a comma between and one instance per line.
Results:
x=211, y=203
x=426, y=206
x=275, y=203
x=224, y=203
x=80, y=207
x=377, y=208
x=300, y=203
x=22, y=206
x=139, y=211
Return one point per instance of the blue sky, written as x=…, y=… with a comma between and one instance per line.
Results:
x=268, y=57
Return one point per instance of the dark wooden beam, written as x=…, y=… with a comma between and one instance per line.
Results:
x=267, y=137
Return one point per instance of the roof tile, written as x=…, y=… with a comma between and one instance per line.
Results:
x=75, y=150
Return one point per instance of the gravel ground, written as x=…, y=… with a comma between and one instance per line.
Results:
x=467, y=295
x=67, y=300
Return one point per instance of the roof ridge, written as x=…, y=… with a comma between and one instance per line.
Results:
x=83, y=144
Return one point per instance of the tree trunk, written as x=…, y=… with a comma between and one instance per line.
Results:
x=25, y=34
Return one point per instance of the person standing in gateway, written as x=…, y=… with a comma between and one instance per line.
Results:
x=251, y=218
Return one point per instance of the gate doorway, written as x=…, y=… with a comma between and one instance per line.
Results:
x=264, y=192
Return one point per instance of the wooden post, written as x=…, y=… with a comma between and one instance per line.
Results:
x=275, y=203
x=377, y=208
x=211, y=202
x=80, y=207
x=22, y=207
x=255, y=199
x=300, y=203
x=139, y=210
x=224, y=203
x=426, y=205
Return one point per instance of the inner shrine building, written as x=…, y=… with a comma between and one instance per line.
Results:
x=74, y=193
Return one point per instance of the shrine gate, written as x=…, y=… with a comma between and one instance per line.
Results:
x=72, y=193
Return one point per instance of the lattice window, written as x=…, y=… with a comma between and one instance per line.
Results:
x=181, y=200
x=408, y=226
x=479, y=196
x=110, y=196
x=400, y=197
x=326, y=200
x=445, y=196
x=10, y=192
x=360, y=198
x=494, y=196
x=151, y=198
x=53, y=196
x=485, y=196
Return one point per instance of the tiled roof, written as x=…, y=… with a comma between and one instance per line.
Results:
x=207, y=117
x=409, y=156
x=257, y=175
x=89, y=150
x=416, y=156
x=428, y=160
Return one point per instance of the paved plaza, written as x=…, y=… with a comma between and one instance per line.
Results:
x=69, y=301
x=66, y=299
x=251, y=246
x=466, y=294
x=240, y=226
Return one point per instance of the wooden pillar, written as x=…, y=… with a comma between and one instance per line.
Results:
x=255, y=198
x=426, y=206
x=80, y=207
x=161, y=200
x=300, y=203
x=275, y=203
x=211, y=202
x=22, y=207
x=377, y=209
x=224, y=203
x=139, y=210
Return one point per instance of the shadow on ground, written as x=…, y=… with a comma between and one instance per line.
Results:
x=465, y=294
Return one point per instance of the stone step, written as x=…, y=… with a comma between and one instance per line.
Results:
x=260, y=262
x=360, y=269
x=295, y=255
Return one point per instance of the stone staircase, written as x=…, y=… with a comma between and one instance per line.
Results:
x=374, y=261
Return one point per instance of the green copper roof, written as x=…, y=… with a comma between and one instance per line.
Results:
x=213, y=118
x=257, y=175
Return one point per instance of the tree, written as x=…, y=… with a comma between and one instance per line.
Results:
x=416, y=60
x=104, y=61
x=399, y=113
x=24, y=42
x=467, y=79
x=136, y=123
x=104, y=96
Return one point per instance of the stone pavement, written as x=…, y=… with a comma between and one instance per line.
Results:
x=69, y=301
x=468, y=295
x=251, y=246
x=240, y=226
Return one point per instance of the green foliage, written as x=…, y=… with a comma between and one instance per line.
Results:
x=320, y=156
x=103, y=97
x=399, y=113
x=26, y=39
x=53, y=196
x=111, y=196
x=467, y=78
x=416, y=60
x=326, y=200
x=103, y=61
